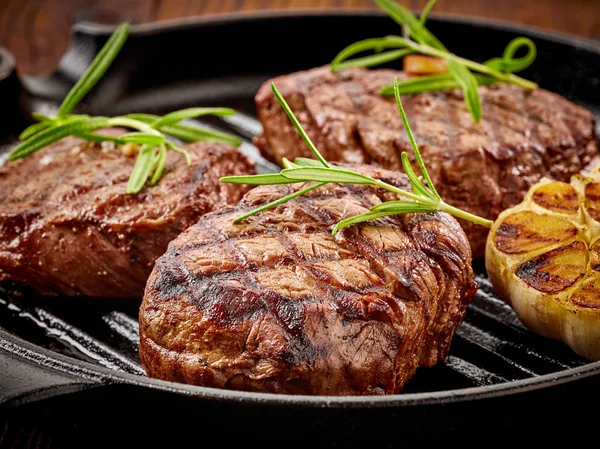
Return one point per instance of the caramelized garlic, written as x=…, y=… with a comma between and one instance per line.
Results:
x=543, y=259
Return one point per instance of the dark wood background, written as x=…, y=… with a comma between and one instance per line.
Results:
x=37, y=33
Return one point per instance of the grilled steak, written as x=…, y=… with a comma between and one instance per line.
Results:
x=482, y=167
x=68, y=227
x=276, y=304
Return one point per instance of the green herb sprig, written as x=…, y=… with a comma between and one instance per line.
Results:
x=150, y=132
x=422, y=198
x=420, y=40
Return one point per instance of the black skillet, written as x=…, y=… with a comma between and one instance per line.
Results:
x=61, y=365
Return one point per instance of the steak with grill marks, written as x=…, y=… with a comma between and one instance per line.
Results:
x=482, y=167
x=276, y=304
x=68, y=227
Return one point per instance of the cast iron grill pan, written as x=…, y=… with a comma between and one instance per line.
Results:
x=60, y=353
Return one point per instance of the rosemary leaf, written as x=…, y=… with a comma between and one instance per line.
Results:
x=279, y=201
x=288, y=164
x=142, y=138
x=195, y=134
x=297, y=125
x=372, y=60
x=426, y=10
x=431, y=83
x=404, y=17
x=417, y=184
x=93, y=137
x=469, y=86
x=55, y=133
x=190, y=133
x=183, y=114
x=34, y=129
x=97, y=68
x=306, y=162
x=400, y=206
x=144, y=118
x=373, y=44
x=41, y=117
x=161, y=162
x=186, y=154
x=413, y=142
x=361, y=218
x=141, y=170
x=266, y=179
x=326, y=174
x=508, y=63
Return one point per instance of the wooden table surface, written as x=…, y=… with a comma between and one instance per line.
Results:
x=37, y=33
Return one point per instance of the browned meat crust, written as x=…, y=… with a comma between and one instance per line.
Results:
x=276, y=304
x=68, y=227
x=481, y=167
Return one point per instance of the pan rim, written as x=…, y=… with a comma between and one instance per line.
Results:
x=86, y=371
x=89, y=371
x=298, y=13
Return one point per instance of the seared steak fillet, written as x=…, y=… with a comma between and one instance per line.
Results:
x=276, y=304
x=482, y=167
x=67, y=225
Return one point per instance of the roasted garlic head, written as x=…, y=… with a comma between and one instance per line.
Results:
x=543, y=258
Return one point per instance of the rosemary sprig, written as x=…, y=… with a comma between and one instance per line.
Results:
x=150, y=132
x=418, y=39
x=318, y=172
x=99, y=65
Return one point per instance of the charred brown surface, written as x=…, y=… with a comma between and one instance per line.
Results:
x=67, y=225
x=555, y=270
x=592, y=200
x=527, y=231
x=588, y=296
x=595, y=255
x=276, y=304
x=557, y=197
x=482, y=167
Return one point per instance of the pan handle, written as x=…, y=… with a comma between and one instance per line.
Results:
x=25, y=379
x=13, y=113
